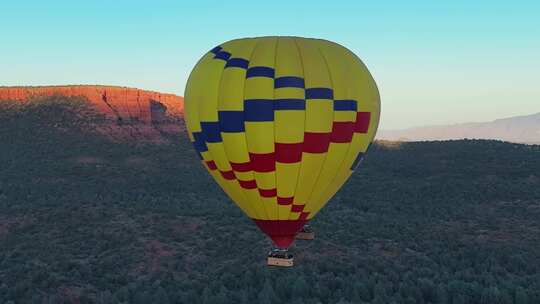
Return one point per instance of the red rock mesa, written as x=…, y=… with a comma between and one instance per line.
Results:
x=131, y=114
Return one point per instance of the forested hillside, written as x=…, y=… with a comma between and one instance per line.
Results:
x=84, y=219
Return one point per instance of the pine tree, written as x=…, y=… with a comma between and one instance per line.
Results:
x=244, y=297
x=300, y=288
x=442, y=295
x=161, y=296
x=521, y=296
x=363, y=291
x=343, y=301
x=267, y=294
x=122, y=294
x=221, y=296
x=490, y=295
x=142, y=297
x=105, y=297
x=206, y=295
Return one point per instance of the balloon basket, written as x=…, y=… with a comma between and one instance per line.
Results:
x=280, y=258
x=305, y=234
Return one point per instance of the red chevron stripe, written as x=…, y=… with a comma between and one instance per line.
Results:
x=342, y=131
x=362, y=122
x=297, y=208
x=263, y=162
x=303, y=216
x=285, y=200
x=288, y=153
x=316, y=142
x=268, y=192
x=229, y=175
x=249, y=184
x=211, y=165
x=241, y=167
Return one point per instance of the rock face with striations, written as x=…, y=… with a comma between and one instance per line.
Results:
x=131, y=114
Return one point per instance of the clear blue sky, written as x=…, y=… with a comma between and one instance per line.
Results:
x=435, y=62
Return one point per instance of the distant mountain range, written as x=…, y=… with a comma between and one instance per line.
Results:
x=519, y=129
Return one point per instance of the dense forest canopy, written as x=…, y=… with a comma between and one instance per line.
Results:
x=84, y=219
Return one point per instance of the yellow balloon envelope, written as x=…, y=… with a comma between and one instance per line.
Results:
x=281, y=123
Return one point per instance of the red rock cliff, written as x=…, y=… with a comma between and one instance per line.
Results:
x=131, y=113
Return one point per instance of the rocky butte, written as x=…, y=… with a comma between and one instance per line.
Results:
x=130, y=114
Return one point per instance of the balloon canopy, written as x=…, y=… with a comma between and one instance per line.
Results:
x=281, y=123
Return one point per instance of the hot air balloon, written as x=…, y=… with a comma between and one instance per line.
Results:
x=281, y=123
